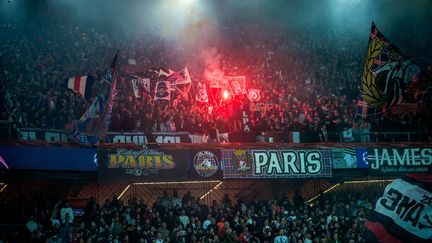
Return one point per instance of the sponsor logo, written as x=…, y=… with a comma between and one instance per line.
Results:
x=206, y=163
x=242, y=163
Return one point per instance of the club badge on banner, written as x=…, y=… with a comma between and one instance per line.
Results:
x=276, y=163
x=205, y=164
x=346, y=158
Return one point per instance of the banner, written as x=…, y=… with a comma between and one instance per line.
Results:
x=398, y=161
x=145, y=164
x=215, y=83
x=201, y=94
x=47, y=158
x=140, y=138
x=276, y=163
x=254, y=95
x=140, y=85
x=53, y=136
x=402, y=214
x=237, y=83
x=163, y=91
x=205, y=163
x=180, y=77
x=246, y=123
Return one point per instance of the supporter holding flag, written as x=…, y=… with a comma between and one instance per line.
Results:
x=97, y=118
x=82, y=85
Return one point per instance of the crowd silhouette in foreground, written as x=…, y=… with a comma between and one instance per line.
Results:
x=331, y=217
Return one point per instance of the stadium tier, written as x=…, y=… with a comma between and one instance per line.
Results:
x=228, y=121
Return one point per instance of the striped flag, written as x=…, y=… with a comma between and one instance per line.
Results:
x=82, y=85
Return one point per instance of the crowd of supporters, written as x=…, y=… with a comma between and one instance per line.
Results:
x=330, y=218
x=309, y=81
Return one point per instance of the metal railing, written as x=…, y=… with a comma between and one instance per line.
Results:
x=377, y=137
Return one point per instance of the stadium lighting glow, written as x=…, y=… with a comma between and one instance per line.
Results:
x=169, y=183
x=326, y=191
x=214, y=188
x=123, y=192
x=184, y=2
x=370, y=181
x=4, y=187
x=348, y=182
x=173, y=182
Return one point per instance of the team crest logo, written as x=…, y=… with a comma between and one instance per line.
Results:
x=206, y=163
x=242, y=162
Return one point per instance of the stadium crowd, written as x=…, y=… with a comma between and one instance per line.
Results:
x=330, y=218
x=309, y=82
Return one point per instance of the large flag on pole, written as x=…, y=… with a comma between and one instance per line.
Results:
x=99, y=124
x=389, y=76
x=89, y=119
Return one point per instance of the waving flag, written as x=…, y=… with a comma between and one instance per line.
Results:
x=181, y=77
x=201, y=95
x=403, y=213
x=164, y=74
x=237, y=83
x=163, y=91
x=140, y=85
x=89, y=119
x=110, y=73
x=389, y=76
x=101, y=112
x=254, y=95
x=82, y=85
